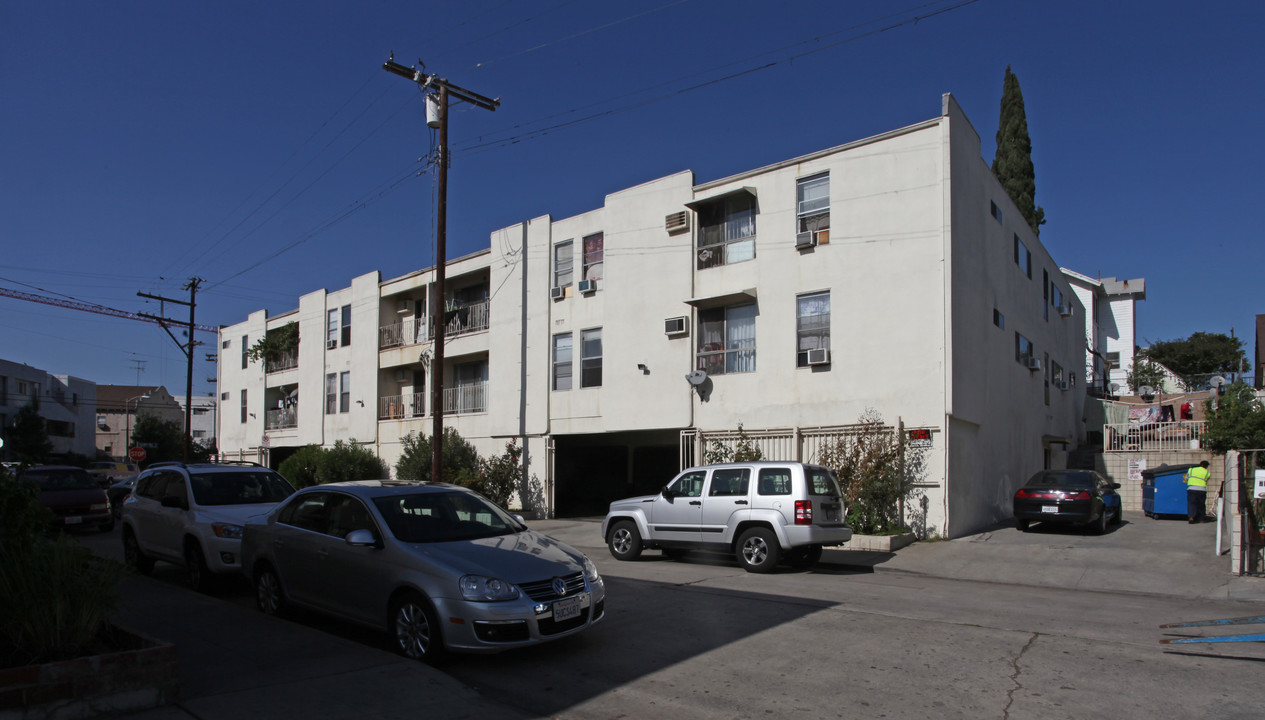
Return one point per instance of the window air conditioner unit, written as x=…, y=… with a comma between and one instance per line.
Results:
x=1061, y=384
x=1034, y=363
x=805, y=240
x=331, y=344
x=676, y=326
x=1064, y=310
x=677, y=222
x=588, y=286
x=401, y=305
x=820, y=356
x=557, y=293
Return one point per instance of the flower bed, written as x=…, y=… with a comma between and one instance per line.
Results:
x=880, y=543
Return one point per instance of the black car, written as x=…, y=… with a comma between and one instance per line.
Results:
x=73, y=495
x=1071, y=497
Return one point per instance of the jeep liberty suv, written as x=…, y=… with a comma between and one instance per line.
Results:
x=761, y=512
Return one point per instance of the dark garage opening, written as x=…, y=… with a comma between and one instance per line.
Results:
x=592, y=470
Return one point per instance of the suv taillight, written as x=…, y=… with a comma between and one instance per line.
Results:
x=803, y=512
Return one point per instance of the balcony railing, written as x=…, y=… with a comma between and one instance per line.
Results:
x=1140, y=437
x=288, y=361
x=405, y=332
x=466, y=399
x=282, y=418
x=398, y=407
x=467, y=319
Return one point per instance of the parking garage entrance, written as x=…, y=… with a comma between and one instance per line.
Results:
x=592, y=470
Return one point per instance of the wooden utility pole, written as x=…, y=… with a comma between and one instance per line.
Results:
x=186, y=348
x=439, y=91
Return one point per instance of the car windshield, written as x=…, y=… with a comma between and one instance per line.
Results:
x=1062, y=479
x=62, y=479
x=443, y=517
x=239, y=488
x=822, y=482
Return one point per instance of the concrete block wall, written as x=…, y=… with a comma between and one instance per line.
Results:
x=1115, y=465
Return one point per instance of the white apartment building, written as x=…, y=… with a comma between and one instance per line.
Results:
x=891, y=275
x=66, y=403
x=1110, y=325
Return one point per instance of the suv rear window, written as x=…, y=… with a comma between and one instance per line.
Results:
x=774, y=481
x=821, y=482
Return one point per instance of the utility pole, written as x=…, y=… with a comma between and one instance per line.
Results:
x=438, y=91
x=186, y=348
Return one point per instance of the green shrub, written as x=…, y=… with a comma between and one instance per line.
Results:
x=459, y=465
x=346, y=461
x=300, y=468
x=499, y=477
x=876, y=468
x=25, y=521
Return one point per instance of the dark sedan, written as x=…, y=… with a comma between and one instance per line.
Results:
x=1071, y=497
x=74, y=496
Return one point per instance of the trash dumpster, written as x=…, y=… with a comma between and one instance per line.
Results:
x=1163, y=492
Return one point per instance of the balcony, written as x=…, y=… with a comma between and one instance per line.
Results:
x=466, y=319
x=405, y=332
x=464, y=399
x=1154, y=436
x=282, y=418
x=284, y=361
x=399, y=407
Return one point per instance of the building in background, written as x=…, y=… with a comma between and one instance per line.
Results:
x=118, y=407
x=1110, y=329
x=201, y=418
x=66, y=403
x=891, y=276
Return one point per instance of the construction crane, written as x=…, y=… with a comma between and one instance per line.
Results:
x=89, y=307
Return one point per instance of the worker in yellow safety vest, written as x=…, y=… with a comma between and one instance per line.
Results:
x=1196, y=480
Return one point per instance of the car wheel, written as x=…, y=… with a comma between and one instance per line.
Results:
x=107, y=527
x=1099, y=526
x=1118, y=517
x=415, y=629
x=758, y=551
x=198, y=576
x=804, y=557
x=625, y=541
x=269, y=596
x=132, y=554
x=1023, y=525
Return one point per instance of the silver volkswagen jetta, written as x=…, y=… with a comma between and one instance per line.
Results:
x=437, y=566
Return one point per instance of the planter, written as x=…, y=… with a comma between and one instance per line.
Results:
x=142, y=674
x=880, y=543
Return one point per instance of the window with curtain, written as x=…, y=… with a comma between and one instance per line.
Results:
x=331, y=394
x=344, y=391
x=812, y=203
x=331, y=329
x=346, y=336
x=726, y=340
x=591, y=358
x=812, y=325
x=245, y=351
x=726, y=230
x=562, y=361
x=1023, y=348
x=593, y=246
x=244, y=406
x=563, y=263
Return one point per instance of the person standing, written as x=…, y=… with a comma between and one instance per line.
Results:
x=1196, y=480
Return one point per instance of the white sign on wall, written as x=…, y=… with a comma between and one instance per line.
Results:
x=1259, y=493
x=1135, y=469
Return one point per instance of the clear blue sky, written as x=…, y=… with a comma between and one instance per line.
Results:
x=259, y=145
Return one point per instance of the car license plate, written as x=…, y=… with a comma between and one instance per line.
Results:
x=567, y=608
x=73, y=519
x=1049, y=508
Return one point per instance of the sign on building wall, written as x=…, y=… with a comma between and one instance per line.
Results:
x=1135, y=469
x=1259, y=492
x=920, y=437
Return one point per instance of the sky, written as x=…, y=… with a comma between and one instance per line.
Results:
x=262, y=148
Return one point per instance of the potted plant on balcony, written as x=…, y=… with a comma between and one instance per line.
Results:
x=276, y=345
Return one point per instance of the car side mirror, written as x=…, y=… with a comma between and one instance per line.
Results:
x=171, y=501
x=521, y=520
x=1115, y=485
x=361, y=538
x=667, y=493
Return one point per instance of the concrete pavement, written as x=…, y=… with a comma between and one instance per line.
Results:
x=236, y=662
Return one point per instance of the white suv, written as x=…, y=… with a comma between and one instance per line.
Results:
x=760, y=511
x=192, y=515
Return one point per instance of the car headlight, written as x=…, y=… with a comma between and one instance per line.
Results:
x=486, y=589
x=590, y=572
x=226, y=530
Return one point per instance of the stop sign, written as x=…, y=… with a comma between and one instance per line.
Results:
x=137, y=453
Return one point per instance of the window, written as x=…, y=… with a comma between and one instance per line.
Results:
x=1045, y=369
x=689, y=484
x=1045, y=294
x=726, y=230
x=1056, y=374
x=996, y=211
x=563, y=263
x=331, y=393
x=1023, y=349
x=812, y=204
x=331, y=329
x=591, y=358
x=346, y=338
x=562, y=361
x=998, y=319
x=225, y=343
x=223, y=397
x=774, y=481
x=245, y=354
x=729, y=482
x=593, y=246
x=726, y=340
x=344, y=391
x=812, y=325
x=4, y=392
x=1056, y=298
x=1023, y=258
x=1113, y=361
x=244, y=406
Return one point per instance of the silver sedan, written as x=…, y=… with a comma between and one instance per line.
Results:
x=439, y=567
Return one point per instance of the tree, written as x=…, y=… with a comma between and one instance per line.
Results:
x=275, y=344
x=1012, y=163
x=1145, y=373
x=459, y=464
x=28, y=437
x=1237, y=422
x=877, y=468
x=500, y=476
x=162, y=439
x=743, y=450
x=345, y=462
x=1197, y=357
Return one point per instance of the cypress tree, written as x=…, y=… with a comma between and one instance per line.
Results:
x=1013, y=162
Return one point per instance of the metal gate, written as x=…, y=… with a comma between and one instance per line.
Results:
x=1252, y=560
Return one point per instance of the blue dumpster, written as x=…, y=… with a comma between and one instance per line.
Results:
x=1163, y=492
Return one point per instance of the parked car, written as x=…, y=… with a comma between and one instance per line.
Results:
x=117, y=493
x=192, y=515
x=73, y=495
x=438, y=566
x=759, y=511
x=1070, y=497
x=108, y=472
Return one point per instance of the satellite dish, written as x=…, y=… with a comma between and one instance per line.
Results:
x=696, y=377
x=1114, y=387
x=1146, y=390
x=1217, y=381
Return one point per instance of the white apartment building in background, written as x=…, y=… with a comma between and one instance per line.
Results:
x=201, y=418
x=1110, y=325
x=889, y=275
x=66, y=403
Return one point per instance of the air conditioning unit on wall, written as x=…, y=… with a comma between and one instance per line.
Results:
x=588, y=286
x=557, y=293
x=676, y=326
x=1034, y=363
x=677, y=222
x=820, y=356
x=805, y=240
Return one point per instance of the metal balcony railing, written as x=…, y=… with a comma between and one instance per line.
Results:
x=466, y=399
x=288, y=361
x=399, y=407
x=466, y=319
x=282, y=418
x=1141, y=437
x=405, y=332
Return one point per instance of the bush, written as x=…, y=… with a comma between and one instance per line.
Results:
x=499, y=477
x=300, y=468
x=346, y=461
x=875, y=466
x=743, y=450
x=459, y=465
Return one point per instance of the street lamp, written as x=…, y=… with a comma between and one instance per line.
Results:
x=127, y=439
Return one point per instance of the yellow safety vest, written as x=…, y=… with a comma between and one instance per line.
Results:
x=1197, y=478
